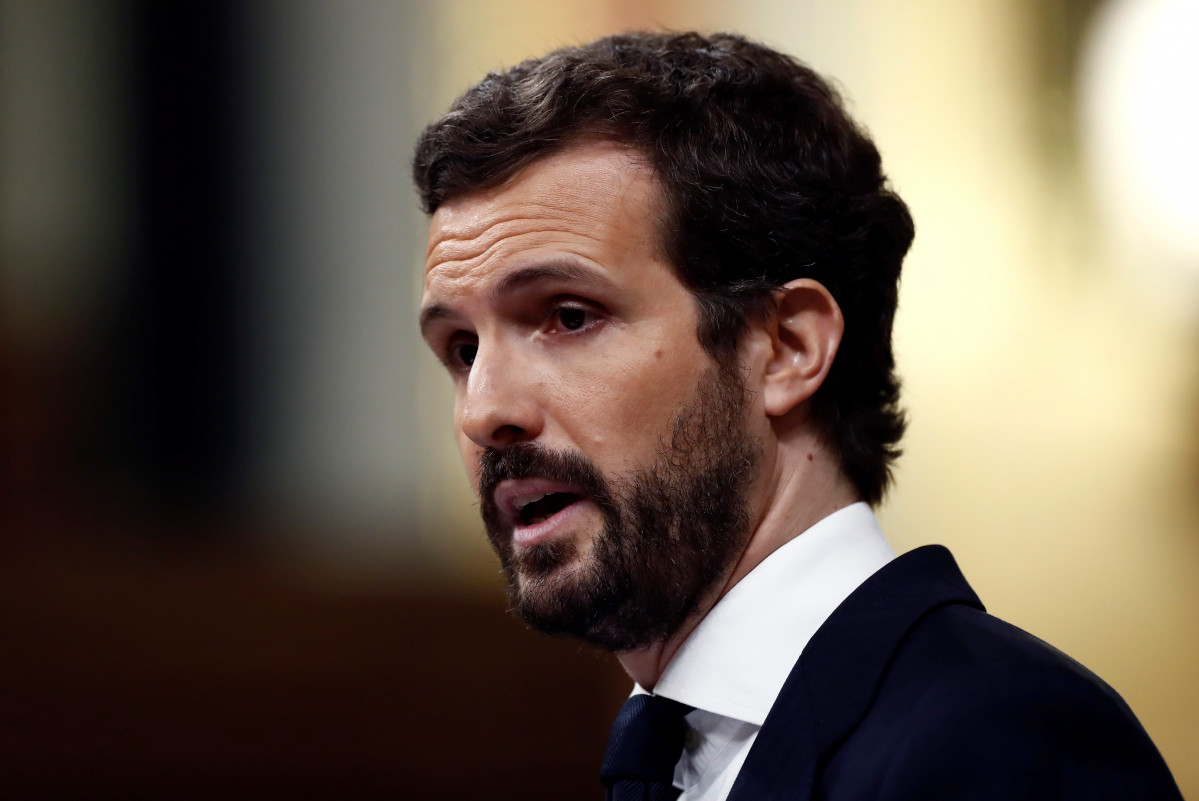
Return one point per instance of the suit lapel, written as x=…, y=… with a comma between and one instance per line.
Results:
x=831, y=686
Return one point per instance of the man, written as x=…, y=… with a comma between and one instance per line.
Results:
x=662, y=272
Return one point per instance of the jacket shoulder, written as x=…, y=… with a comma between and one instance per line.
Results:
x=972, y=707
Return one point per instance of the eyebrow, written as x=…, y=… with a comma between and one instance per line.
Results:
x=557, y=269
x=431, y=314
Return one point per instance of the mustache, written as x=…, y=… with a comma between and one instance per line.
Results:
x=530, y=460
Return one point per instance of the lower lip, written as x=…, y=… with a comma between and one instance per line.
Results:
x=554, y=525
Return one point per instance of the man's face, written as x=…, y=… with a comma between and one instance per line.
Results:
x=609, y=450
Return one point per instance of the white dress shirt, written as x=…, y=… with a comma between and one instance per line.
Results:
x=732, y=667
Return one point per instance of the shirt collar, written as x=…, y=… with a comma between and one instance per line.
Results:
x=736, y=660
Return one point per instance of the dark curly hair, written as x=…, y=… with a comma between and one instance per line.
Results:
x=764, y=179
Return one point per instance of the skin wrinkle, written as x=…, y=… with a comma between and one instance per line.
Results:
x=500, y=237
x=576, y=201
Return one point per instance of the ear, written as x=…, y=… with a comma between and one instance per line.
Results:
x=806, y=331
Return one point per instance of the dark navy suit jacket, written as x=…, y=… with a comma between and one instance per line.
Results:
x=911, y=690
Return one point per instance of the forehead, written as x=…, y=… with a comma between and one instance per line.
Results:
x=592, y=200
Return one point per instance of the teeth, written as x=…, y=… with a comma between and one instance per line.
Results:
x=524, y=500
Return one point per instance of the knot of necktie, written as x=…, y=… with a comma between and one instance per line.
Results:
x=644, y=745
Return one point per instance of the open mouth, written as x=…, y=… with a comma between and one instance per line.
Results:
x=533, y=509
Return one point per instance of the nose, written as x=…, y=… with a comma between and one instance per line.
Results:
x=499, y=406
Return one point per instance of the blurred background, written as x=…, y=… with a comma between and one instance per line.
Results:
x=237, y=549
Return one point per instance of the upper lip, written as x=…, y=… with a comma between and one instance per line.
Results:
x=512, y=491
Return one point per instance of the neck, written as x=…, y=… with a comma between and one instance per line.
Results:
x=801, y=486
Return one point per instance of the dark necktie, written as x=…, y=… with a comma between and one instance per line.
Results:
x=645, y=743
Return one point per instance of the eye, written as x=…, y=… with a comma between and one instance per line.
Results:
x=464, y=353
x=572, y=315
x=571, y=318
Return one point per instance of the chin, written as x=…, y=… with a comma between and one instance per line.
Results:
x=558, y=581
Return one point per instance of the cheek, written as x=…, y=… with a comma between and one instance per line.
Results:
x=621, y=415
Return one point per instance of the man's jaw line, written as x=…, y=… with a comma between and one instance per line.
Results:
x=646, y=665
x=798, y=493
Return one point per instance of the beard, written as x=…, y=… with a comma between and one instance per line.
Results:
x=671, y=531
